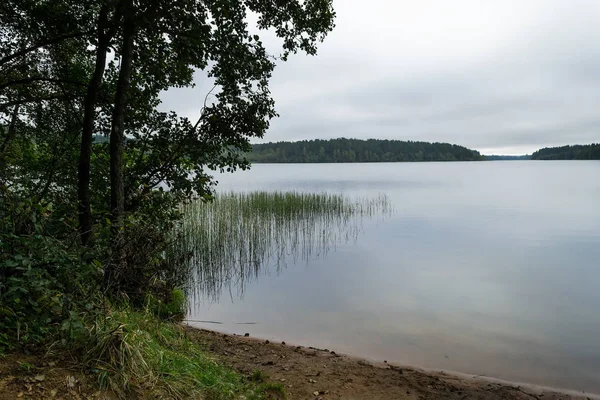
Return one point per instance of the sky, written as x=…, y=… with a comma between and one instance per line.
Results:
x=498, y=76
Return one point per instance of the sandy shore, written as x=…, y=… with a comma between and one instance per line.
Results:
x=310, y=373
x=305, y=372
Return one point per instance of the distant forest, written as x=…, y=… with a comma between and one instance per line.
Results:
x=494, y=157
x=576, y=152
x=355, y=150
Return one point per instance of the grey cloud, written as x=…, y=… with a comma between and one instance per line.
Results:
x=506, y=76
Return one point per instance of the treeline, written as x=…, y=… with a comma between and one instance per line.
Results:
x=575, y=152
x=355, y=150
x=495, y=157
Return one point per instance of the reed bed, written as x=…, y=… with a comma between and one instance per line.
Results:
x=240, y=235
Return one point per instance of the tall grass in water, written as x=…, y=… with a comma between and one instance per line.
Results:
x=232, y=239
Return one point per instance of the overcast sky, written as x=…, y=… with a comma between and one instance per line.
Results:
x=498, y=76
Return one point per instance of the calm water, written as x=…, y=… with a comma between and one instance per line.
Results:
x=488, y=268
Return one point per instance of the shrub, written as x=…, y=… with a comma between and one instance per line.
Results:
x=44, y=280
x=142, y=265
x=174, y=307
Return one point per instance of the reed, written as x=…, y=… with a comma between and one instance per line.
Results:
x=239, y=235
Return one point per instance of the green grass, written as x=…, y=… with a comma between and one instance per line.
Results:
x=134, y=353
x=27, y=367
x=258, y=376
x=273, y=390
x=233, y=238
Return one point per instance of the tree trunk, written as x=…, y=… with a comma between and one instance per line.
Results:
x=85, y=153
x=117, y=136
x=112, y=273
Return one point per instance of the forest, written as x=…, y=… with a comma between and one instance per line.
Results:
x=354, y=150
x=574, y=152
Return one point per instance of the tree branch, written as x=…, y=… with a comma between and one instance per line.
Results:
x=36, y=46
x=33, y=100
x=171, y=158
x=31, y=79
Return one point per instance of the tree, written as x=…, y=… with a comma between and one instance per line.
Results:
x=191, y=34
x=157, y=44
x=72, y=70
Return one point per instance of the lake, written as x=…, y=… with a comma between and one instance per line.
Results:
x=486, y=268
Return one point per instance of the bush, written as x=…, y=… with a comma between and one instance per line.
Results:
x=142, y=264
x=174, y=308
x=44, y=281
x=50, y=283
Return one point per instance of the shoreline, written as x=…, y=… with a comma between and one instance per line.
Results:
x=425, y=383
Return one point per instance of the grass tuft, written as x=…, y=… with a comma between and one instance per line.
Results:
x=135, y=354
x=258, y=376
x=273, y=391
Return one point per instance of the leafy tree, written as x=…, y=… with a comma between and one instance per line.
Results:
x=73, y=71
x=159, y=44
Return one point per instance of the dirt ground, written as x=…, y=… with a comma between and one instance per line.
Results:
x=310, y=373
x=38, y=377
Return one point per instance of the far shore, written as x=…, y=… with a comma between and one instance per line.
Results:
x=311, y=373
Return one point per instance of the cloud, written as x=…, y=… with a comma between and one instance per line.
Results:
x=497, y=76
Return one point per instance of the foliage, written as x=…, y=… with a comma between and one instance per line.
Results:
x=355, y=150
x=87, y=223
x=575, y=152
x=69, y=71
x=45, y=282
x=173, y=307
x=136, y=353
x=147, y=268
